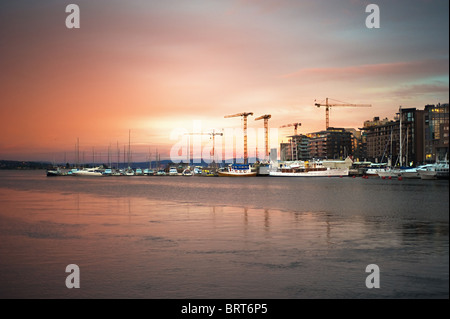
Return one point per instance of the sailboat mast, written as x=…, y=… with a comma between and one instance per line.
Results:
x=390, y=164
x=401, y=142
x=129, y=147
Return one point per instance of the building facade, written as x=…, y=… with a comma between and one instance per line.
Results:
x=436, y=127
x=297, y=148
x=334, y=143
x=400, y=141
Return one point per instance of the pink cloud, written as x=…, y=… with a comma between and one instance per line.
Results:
x=397, y=69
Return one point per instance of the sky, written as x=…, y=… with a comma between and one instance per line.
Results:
x=144, y=69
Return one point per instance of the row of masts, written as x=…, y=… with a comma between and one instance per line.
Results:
x=127, y=155
x=244, y=115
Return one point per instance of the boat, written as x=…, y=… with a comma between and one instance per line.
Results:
x=149, y=172
x=415, y=172
x=107, y=172
x=410, y=172
x=389, y=172
x=438, y=170
x=207, y=172
x=161, y=172
x=374, y=168
x=428, y=172
x=442, y=170
x=173, y=171
x=198, y=170
x=55, y=171
x=94, y=171
x=316, y=169
x=237, y=170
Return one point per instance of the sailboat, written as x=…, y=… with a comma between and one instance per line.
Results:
x=392, y=171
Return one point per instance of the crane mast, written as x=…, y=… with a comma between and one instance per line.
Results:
x=266, y=132
x=244, y=115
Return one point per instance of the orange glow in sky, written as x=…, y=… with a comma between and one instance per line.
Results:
x=155, y=66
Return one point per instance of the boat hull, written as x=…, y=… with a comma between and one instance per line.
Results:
x=91, y=174
x=233, y=174
x=389, y=173
x=412, y=174
x=328, y=173
x=428, y=175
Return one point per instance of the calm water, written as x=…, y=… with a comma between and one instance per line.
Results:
x=199, y=237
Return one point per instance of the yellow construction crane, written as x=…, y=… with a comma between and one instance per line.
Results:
x=244, y=115
x=266, y=131
x=327, y=109
x=295, y=125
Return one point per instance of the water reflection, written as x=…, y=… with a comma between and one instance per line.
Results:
x=135, y=246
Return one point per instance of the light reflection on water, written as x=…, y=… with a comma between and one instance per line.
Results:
x=218, y=238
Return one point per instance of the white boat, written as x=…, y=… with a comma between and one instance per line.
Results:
x=315, y=169
x=161, y=172
x=439, y=170
x=389, y=172
x=410, y=172
x=173, y=171
x=129, y=172
x=415, y=172
x=428, y=172
x=374, y=168
x=94, y=171
x=198, y=170
x=237, y=170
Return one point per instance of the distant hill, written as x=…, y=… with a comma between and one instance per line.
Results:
x=4, y=164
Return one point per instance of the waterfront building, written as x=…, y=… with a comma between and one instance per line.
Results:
x=296, y=149
x=436, y=124
x=383, y=138
x=333, y=143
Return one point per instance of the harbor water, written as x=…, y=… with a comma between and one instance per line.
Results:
x=164, y=237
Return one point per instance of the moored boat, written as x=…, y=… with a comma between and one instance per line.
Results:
x=315, y=171
x=94, y=171
x=389, y=172
x=55, y=171
x=428, y=173
x=374, y=168
x=439, y=170
x=316, y=168
x=237, y=170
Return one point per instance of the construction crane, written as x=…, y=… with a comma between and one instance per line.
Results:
x=213, y=136
x=327, y=109
x=266, y=131
x=244, y=115
x=295, y=125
